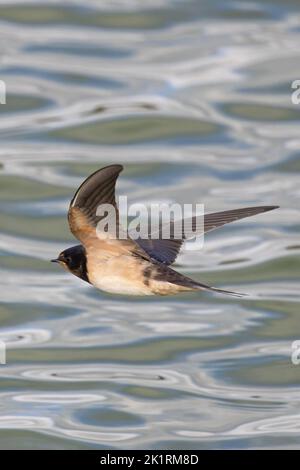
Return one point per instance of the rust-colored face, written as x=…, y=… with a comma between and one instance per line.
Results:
x=64, y=261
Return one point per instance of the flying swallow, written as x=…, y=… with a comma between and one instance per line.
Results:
x=123, y=265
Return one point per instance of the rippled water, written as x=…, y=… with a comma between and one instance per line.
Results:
x=194, y=98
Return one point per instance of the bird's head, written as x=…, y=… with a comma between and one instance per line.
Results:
x=73, y=259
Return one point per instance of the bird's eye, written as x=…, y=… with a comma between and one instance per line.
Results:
x=68, y=260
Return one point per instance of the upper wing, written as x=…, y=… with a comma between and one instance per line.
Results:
x=98, y=189
x=163, y=250
x=218, y=219
x=166, y=250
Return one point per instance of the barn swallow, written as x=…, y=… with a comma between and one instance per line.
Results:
x=127, y=266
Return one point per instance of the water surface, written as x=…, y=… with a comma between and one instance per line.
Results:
x=194, y=99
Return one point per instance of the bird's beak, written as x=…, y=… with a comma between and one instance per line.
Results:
x=54, y=260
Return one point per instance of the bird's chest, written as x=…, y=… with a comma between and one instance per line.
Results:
x=120, y=275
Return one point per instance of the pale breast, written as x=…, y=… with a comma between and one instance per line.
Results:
x=120, y=275
x=128, y=274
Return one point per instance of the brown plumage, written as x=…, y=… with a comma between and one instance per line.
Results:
x=120, y=264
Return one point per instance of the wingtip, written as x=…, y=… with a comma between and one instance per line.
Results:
x=109, y=170
x=117, y=167
x=270, y=208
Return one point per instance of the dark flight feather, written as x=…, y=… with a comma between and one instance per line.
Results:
x=98, y=188
x=166, y=250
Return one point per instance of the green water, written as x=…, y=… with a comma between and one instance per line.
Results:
x=194, y=99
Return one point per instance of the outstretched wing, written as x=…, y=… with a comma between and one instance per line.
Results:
x=96, y=190
x=166, y=250
x=218, y=219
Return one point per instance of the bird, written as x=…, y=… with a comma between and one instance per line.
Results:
x=127, y=266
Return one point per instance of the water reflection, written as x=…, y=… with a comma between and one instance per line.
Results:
x=194, y=99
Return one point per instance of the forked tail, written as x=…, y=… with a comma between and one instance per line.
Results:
x=199, y=286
